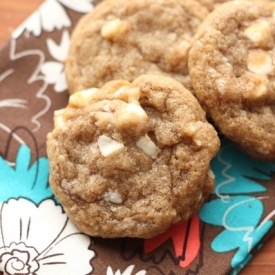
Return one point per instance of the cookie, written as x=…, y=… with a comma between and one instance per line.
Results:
x=212, y=4
x=123, y=39
x=131, y=159
x=232, y=70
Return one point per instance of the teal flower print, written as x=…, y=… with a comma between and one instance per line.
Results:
x=240, y=217
x=235, y=171
x=26, y=179
x=237, y=208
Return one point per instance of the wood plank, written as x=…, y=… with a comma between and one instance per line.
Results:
x=13, y=13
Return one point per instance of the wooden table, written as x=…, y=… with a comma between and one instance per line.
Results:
x=13, y=13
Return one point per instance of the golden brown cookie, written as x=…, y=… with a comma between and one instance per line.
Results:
x=130, y=159
x=123, y=39
x=232, y=70
x=212, y=4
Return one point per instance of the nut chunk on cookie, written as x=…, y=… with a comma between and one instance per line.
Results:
x=131, y=159
x=232, y=70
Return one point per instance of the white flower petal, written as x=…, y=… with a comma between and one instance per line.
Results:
x=61, y=85
x=50, y=16
x=142, y=272
x=68, y=256
x=52, y=71
x=78, y=5
x=14, y=221
x=128, y=270
x=109, y=271
x=18, y=259
x=54, y=74
x=13, y=102
x=31, y=25
x=59, y=52
x=53, y=16
x=23, y=221
x=46, y=232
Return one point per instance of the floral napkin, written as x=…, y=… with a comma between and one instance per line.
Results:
x=36, y=236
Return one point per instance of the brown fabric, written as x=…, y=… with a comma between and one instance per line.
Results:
x=28, y=98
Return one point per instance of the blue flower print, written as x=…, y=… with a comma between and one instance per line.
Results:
x=235, y=171
x=240, y=266
x=240, y=217
x=25, y=179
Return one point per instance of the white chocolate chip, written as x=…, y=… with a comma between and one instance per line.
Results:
x=176, y=219
x=200, y=196
x=128, y=94
x=259, y=32
x=131, y=114
x=81, y=99
x=257, y=87
x=113, y=196
x=114, y=28
x=197, y=141
x=148, y=146
x=133, y=94
x=199, y=43
x=131, y=118
x=194, y=126
x=259, y=62
x=236, y=2
x=119, y=91
x=211, y=174
x=262, y=151
x=260, y=90
x=59, y=120
x=221, y=84
x=106, y=108
x=172, y=36
x=134, y=109
x=226, y=62
x=185, y=47
x=108, y=146
x=213, y=73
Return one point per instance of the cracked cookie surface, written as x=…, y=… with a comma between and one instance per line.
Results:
x=232, y=70
x=131, y=159
x=123, y=39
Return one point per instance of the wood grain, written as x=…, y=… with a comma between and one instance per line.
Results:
x=13, y=13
